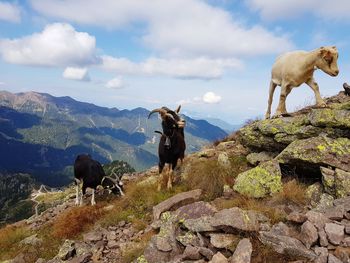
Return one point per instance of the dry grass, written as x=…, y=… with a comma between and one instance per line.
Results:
x=209, y=176
x=10, y=237
x=137, y=250
x=76, y=220
x=136, y=205
x=293, y=191
x=246, y=203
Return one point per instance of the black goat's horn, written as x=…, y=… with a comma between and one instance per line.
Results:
x=178, y=109
x=160, y=111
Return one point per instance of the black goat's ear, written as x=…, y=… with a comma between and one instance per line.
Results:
x=178, y=109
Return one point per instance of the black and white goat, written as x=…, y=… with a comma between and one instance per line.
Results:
x=172, y=144
x=90, y=173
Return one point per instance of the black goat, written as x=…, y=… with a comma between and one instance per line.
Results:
x=172, y=144
x=91, y=174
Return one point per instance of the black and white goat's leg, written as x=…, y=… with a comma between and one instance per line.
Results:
x=160, y=179
x=93, y=197
x=77, y=198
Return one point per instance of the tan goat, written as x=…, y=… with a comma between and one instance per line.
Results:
x=295, y=68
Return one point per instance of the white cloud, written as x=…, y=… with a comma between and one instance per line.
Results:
x=57, y=45
x=10, y=12
x=211, y=98
x=175, y=28
x=276, y=9
x=202, y=67
x=76, y=74
x=116, y=83
x=208, y=98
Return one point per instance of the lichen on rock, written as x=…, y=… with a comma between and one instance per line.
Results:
x=260, y=181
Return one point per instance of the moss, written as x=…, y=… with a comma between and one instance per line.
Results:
x=260, y=181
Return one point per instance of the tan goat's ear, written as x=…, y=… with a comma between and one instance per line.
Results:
x=334, y=47
x=322, y=51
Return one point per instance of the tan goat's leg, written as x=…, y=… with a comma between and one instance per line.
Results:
x=271, y=91
x=281, y=108
x=314, y=86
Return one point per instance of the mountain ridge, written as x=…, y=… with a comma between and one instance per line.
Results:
x=49, y=131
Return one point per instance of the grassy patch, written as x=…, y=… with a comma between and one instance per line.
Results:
x=76, y=220
x=10, y=236
x=210, y=176
x=137, y=204
x=292, y=192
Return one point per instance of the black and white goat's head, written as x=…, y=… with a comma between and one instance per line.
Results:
x=114, y=186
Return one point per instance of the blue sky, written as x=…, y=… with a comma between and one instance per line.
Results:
x=214, y=57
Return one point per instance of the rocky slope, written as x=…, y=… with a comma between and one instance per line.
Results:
x=275, y=191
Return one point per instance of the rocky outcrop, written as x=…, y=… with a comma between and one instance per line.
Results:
x=309, y=140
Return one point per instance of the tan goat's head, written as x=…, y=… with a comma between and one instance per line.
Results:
x=327, y=60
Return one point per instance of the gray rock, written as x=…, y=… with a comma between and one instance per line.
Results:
x=322, y=255
x=317, y=218
x=286, y=245
x=176, y=201
x=81, y=259
x=342, y=183
x=314, y=192
x=335, y=213
x=296, y=217
x=112, y=244
x=243, y=252
x=257, y=158
x=195, y=210
x=67, y=250
x=344, y=201
x=206, y=252
x=82, y=248
x=280, y=229
x=333, y=259
x=163, y=244
x=219, y=258
x=335, y=233
x=346, y=242
x=308, y=234
x=32, y=240
x=328, y=180
x=325, y=203
x=323, y=238
x=236, y=219
x=191, y=253
x=188, y=239
x=220, y=240
x=93, y=236
x=202, y=224
x=223, y=160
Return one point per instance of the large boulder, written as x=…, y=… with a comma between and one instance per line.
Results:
x=234, y=219
x=286, y=245
x=176, y=201
x=260, y=181
x=320, y=151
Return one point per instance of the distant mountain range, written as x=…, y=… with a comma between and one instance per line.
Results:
x=41, y=135
x=228, y=127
